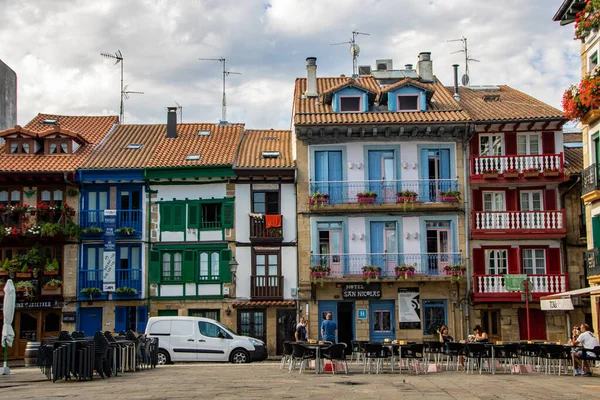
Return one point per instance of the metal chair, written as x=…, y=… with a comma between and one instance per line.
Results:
x=373, y=351
x=336, y=353
x=435, y=349
x=477, y=353
x=301, y=354
x=454, y=351
x=288, y=350
x=508, y=353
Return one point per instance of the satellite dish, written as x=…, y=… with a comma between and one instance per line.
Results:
x=465, y=80
x=354, y=50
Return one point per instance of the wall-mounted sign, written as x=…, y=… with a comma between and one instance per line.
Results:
x=69, y=317
x=110, y=255
x=362, y=313
x=409, y=308
x=361, y=291
x=26, y=305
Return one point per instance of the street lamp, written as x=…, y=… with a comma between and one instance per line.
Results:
x=233, y=266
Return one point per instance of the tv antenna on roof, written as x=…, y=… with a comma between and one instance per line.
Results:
x=465, y=77
x=180, y=109
x=118, y=56
x=226, y=73
x=354, y=50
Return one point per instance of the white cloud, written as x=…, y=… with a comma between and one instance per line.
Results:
x=55, y=49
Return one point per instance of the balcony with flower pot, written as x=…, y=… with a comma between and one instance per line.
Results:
x=392, y=195
x=517, y=168
x=488, y=288
x=128, y=223
x=518, y=224
x=128, y=284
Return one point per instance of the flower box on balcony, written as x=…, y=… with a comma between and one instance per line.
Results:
x=449, y=199
x=455, y=272
x=510, y=175
x=371, y=272
x=23, y=275
x=407, y=199
x=405, y=271
x=318, y=272
x=531, y=174
x=367, y=200
x=490, y=175
x=51, y=272
x=551, y=173
x=3, y=273
x=317, y=201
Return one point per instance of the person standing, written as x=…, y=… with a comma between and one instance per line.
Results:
x=588, y=341
x=329, y=329
x=300, y=334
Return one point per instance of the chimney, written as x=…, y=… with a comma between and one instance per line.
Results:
x=456, y=95
x=311, y=77
x=408, y=66
x=171, y=122
x=425, y=67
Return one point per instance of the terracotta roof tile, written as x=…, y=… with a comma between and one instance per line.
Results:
x=218, y=148
x=311, y=111
x=267, y=303
x=573, y=160
x=510, y=105
x=91, y=129
x=406, y=81
x=254, y=142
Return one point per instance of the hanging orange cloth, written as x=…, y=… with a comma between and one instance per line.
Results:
x=272, y=221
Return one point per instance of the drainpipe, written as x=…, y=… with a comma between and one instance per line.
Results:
x=468, y=269
x=298, y=312
x=149, y=241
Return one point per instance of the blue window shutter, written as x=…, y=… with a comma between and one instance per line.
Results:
x=142, y=318
x=376, y=239
x=321, y=166
x=424, y=171
x=120, y=318
x=335, y=174
x=375, y=173
x=445, y=163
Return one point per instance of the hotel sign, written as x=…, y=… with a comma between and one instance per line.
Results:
x=361, y=291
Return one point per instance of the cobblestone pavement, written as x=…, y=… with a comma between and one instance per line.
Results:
x=266, y=381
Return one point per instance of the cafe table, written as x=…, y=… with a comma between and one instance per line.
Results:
x=317, y=347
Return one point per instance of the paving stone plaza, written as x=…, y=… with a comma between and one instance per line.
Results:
x=267, y=381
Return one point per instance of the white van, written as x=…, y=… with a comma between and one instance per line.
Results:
x=201, y=339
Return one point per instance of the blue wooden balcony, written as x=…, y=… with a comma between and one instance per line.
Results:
x=125, y=219
x=126, y=278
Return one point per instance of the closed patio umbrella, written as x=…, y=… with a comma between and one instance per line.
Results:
x=8, y=334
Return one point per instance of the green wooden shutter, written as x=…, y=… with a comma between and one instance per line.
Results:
x=189, y=266
x=228, y=214
x=179, y=216
x=596, y=231
x=166, y=217
x=193, y=215
x=224, y=271
x=154, y=267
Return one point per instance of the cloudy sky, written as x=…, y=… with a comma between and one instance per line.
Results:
x=54, y=47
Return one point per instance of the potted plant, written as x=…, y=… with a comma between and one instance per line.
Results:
x=587, y=19
x=455, y=271
x=44, y=208
x=20, y=208
x=406, y=270
x=407, y=196
x=2, y=283
x=72, y=230
x=91, y=291
x=36, y=273
x=5, y=209
x=511, y=173
x=490, y=173
x=25, y=287
x=4, y=268
x=66, y=209
x=318, y=272
x=551, y=172
x=371, y=272
x=51, y=268
x=126, y=291
x=52, y=284
x=24, y=273
x=450, y=196
x=367, y=197
x=318, y=198
x=125, y=231
x=92, y=230
x=531, y=172
x=50, y=229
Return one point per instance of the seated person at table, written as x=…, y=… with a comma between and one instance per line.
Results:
x=300, y=334
x=443, y=334
x=587, y=340
x=480, y=335
x=574, y=335
x=329, y=329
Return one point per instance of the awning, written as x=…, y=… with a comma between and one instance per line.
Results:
x=562, y=301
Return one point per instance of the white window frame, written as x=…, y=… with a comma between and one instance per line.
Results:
x=490, y=137
x=496, y=255
x=493, y=193
x=529, y=194
x=528, y=137
x=418, y=95
x=360, y=103
x=533, y=257
x=589, y=65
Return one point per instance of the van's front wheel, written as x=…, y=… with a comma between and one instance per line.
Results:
x=163, y=357
x=239, y=357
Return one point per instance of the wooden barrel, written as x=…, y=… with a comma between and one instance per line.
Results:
x=31, y=354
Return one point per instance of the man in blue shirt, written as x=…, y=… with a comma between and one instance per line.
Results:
x=329, y=329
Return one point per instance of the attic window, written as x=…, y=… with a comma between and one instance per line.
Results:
x=58, y=146
x=491, y=97
x=18, y=146
x=192, y=157
x=204, y=132
x=350, y=103
x=50, y=121
x=134, y=146
x=408, y=102
x=271, y=154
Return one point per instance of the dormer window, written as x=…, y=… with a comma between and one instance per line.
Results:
x=19, y=146
x=408, y=102
x=58, y=146
x=350, y=103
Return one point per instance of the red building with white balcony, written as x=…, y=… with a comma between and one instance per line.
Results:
x=517, y=220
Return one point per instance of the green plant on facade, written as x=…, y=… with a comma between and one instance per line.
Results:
x=25, y=286
x=25, y=268
x=51, y=266
x=125, y=231
x=33, y=256
x=126, y=291
x=52, y=284
x=72, y=230
x=93, y=230
x=50, y=229
x=92, y=291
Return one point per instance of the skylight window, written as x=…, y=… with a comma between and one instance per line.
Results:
x=50, y=121
x=192, y=157
x=134, y=146
x=271, y=154
x=204, y=132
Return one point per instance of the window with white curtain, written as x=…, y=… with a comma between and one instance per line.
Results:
x=534, y=261
x=496, y=262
